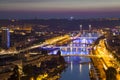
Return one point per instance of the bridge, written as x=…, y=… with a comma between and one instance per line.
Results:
x=76, y=40
x=82, y=55
x=88, y=37
x=66, y=47
x=78, y=43
x=85, y=55
x=77, y=46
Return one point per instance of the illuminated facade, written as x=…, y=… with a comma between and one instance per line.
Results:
x=5, y=38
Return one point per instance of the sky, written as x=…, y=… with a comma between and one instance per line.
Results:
x=59, y=8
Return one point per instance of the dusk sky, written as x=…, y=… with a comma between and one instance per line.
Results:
x=59, y=8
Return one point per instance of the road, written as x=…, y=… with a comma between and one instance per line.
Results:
x=106, y=59
x=52, y=41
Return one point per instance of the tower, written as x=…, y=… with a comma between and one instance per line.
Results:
x=90, y=27
x=5, y=38
x=81, y=27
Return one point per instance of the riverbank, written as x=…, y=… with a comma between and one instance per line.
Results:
x=48, y=70
x=24, y=68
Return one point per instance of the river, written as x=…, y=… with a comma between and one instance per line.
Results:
x=75, y=70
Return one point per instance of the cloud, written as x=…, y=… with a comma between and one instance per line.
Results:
x=58, y=4
x=22, y=1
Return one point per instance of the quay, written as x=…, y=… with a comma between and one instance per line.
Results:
x=16, y=64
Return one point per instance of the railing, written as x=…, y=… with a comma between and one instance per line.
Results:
x=87, y=37
x=81, y=55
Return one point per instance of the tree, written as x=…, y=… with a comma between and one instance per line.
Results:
x=111, y=74
x=59, y=53
x=43, y=51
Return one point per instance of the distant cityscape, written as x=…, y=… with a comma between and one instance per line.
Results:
x=31, y=30
x=26, y=47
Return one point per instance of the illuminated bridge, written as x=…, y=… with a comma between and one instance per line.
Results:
x=76, y=41
x=83, y=55
x=78, y=47
x=79, y=44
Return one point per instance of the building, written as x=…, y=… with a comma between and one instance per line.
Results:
x=5, y=38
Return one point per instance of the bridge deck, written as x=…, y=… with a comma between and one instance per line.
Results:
x=81, y=55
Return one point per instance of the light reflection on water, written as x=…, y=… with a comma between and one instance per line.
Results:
x=76, y=71
x=71, y=65
x=80, y=68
